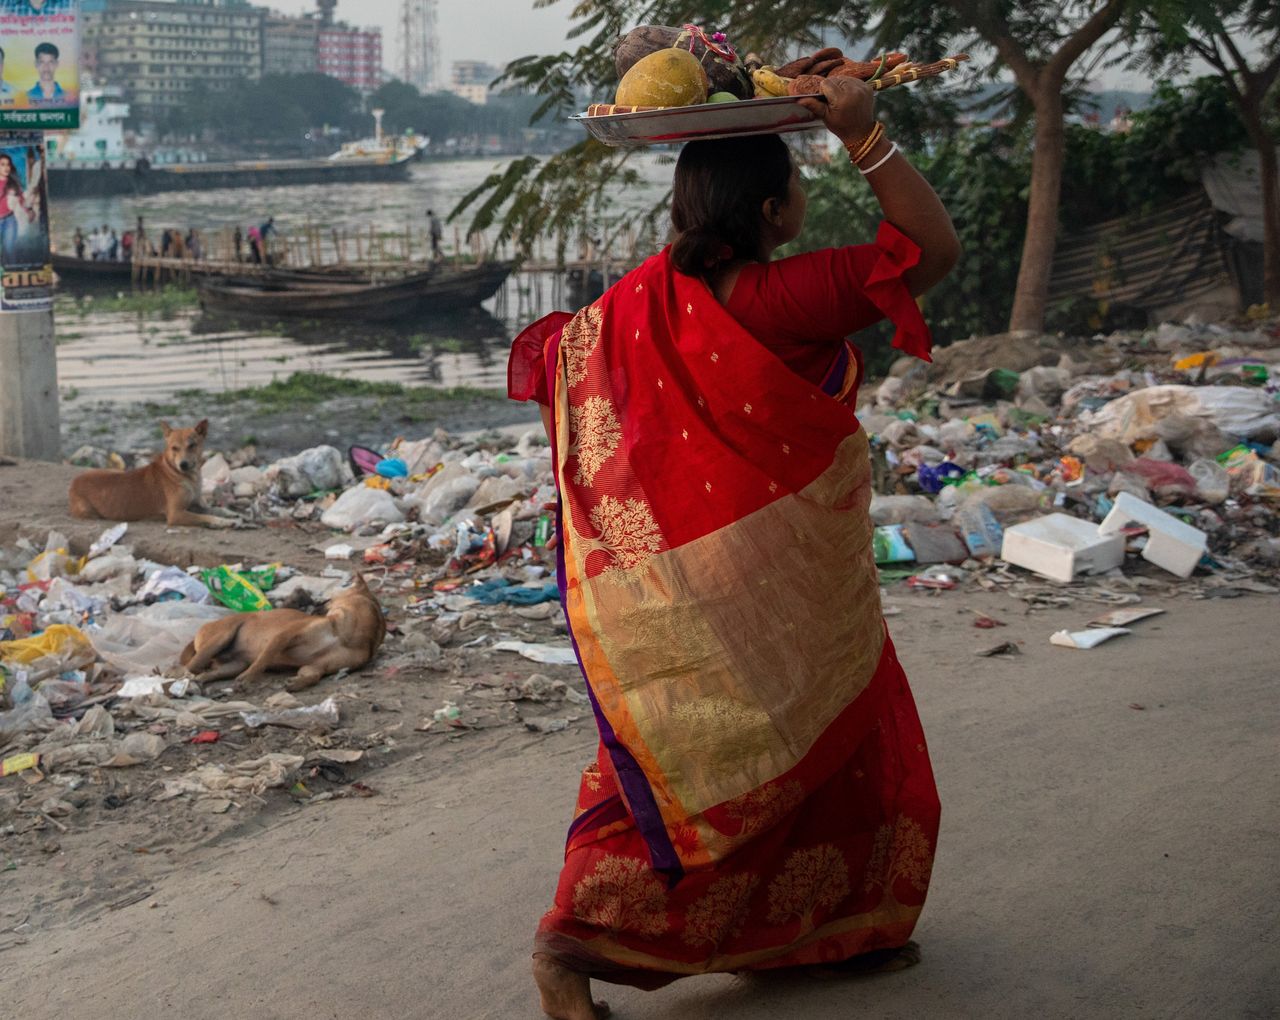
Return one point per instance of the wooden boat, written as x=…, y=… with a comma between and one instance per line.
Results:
x=73, y=270
x=438, y=290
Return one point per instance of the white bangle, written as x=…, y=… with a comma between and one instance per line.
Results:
x=893, y=147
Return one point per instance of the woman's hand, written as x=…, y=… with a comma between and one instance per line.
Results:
x=849, y=110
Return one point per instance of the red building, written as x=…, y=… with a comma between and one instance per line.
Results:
x=351, y=55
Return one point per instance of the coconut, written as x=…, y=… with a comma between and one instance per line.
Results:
x=669, y=77
x=646, y=39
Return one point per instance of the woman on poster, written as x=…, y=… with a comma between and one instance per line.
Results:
x=21, y=222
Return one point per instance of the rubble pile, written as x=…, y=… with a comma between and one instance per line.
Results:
x=1061, y=459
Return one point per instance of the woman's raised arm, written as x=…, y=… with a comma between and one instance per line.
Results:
x=908, y=201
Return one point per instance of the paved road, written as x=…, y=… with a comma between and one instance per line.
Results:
x=1096, y=860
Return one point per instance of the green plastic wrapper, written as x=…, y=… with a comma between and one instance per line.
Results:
x=241, y=590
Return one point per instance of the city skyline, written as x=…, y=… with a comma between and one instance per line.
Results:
x=468, y=29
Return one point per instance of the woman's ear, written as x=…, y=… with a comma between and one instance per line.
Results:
x=772, y=211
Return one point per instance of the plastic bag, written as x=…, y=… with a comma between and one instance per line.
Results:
x=444, y=494
x=1236, y=410
x=315, y=718
x=107, y=539
x=32, y=715
x=319, y=468
x=1213, y=482
x=900, y=509
x=60, y=648
x=1162, y=477
x=359, y=506
x=174, y=580
x=153, y=637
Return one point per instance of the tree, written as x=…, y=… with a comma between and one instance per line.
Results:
x=1039, y=42
x=1220, y=32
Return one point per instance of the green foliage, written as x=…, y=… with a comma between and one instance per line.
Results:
x=302, y=389
x=274, y=108
x=1111, y=175
x=444, y=115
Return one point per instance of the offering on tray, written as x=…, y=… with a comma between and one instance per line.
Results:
x=704, y=89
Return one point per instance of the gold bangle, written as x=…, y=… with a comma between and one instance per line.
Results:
x=866, y=145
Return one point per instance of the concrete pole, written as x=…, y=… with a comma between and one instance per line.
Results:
x=29, y=421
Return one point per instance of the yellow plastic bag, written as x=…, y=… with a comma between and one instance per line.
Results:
x=59, y=648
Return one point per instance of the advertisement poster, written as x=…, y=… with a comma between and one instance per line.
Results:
x=39, y=65
x=26, y=273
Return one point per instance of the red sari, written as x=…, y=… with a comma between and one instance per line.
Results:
x=763, y=795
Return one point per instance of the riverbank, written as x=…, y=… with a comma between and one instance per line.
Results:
x=290, y=414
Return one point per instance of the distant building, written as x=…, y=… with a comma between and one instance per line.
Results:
x=469, y=80
x=351, y=55
x=289, y=44
x=159, y=51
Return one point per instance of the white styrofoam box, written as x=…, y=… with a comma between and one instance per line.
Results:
x=1172, y=545
x=1060, y=546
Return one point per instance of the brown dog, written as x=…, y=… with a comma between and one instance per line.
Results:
x=246, y=645
x=168, y=487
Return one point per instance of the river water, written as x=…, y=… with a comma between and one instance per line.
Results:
x=150, y=355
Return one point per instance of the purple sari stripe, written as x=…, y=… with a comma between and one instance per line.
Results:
x=604, y=813
x=640, y=799
x=833, y=382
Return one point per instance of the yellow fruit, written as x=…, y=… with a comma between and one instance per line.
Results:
x=669, y=77
x=769, y=83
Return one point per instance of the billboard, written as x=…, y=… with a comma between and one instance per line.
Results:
x=39, y=65
x=26, y=272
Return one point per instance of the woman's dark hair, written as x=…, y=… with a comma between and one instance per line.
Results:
x=12, y=183
x=719, y=189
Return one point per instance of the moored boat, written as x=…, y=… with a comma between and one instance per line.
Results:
x=437, y=290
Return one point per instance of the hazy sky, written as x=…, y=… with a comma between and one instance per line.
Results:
x=494, y=30
x=500, y=30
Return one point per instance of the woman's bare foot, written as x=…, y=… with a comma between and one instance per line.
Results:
x=565, y=995
x=880, y=961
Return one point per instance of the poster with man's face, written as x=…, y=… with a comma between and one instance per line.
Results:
x=39, y=65
x=26, y=272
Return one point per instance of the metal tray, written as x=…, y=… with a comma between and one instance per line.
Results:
x=707, y=120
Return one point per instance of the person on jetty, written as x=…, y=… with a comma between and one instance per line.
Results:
x=436, y=229
x=762, y=796
x=77, y=240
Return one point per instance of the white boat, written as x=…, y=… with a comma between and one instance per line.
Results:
x=382, y=148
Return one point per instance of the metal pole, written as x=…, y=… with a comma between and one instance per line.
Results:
x=29, y=421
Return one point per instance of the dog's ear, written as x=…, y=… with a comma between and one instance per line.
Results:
x=202, y=427
x=165, y=428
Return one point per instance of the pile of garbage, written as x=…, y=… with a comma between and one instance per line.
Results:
x=1054, y=472
x=1062, y=458
x=454, y=535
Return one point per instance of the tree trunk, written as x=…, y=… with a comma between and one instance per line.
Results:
x=1270, y=182
x=1032, y=292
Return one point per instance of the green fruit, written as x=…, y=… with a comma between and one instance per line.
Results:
x=722, y=97
x=669, y=77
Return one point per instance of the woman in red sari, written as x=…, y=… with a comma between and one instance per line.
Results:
x=762, y=796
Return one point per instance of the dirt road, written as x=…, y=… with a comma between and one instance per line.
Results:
x=1110, y=822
